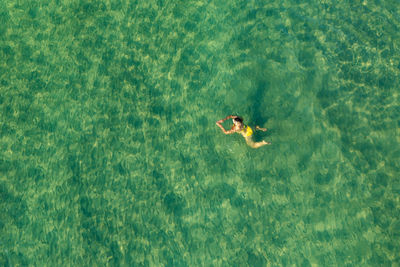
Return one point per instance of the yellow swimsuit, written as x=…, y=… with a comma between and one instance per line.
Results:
x=246, y=129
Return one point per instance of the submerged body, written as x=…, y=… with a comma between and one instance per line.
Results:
x=244, y=130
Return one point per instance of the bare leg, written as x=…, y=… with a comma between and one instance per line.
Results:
x=253, y=144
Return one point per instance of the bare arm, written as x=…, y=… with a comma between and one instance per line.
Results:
x=261, y=129
x=219, y=124
x=227, y=118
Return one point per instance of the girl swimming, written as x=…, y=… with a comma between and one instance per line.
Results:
x=244, y=130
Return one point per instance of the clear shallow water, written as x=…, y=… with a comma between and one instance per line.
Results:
x=110, y=153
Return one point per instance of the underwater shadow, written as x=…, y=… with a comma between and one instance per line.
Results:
x=258, y=113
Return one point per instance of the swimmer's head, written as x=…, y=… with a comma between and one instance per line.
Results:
x=237, y=120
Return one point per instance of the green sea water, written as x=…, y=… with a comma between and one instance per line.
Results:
x=110, y=156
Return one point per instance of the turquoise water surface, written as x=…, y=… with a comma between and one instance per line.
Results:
x=110, y=156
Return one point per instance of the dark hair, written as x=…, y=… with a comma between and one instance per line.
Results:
x=238, y=119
